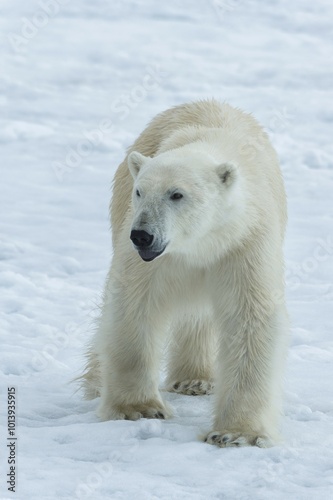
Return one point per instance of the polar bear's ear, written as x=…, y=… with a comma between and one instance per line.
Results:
x=227, y=172
x=135, y=161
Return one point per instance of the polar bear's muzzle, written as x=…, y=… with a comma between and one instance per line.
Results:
x=149, y=255
x=146, y=245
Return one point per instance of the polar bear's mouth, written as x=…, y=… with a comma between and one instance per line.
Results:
x=148, y=254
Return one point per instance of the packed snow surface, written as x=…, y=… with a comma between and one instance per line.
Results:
x=79, y=81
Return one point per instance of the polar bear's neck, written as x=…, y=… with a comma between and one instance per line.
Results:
x=213, y=141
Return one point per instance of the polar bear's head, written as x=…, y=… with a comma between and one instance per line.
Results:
x=181, y=199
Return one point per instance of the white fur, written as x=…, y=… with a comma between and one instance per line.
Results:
x=218, y=285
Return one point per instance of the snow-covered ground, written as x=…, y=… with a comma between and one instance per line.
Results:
x=79, y=81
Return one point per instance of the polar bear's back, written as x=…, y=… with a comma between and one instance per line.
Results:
x=206, y=113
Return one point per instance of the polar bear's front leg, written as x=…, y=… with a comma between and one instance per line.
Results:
x=128, y=345
x=247, y=385
x=251, y=358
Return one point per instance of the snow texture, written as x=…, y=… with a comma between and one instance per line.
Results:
x=79, y=81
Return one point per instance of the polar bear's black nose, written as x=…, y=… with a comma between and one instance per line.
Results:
x=141, y=239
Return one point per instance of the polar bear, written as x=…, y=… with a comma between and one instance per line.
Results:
x=198, y=217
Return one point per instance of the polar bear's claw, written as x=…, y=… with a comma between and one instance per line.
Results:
x=135, y=411
x=192, y=387
x=227, y=439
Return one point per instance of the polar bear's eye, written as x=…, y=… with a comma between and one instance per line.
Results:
x=138, y=193
x=176, y=196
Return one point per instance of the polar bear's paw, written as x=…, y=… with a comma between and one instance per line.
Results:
x=192, y=387
x=149, y=409
x=225, y=439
